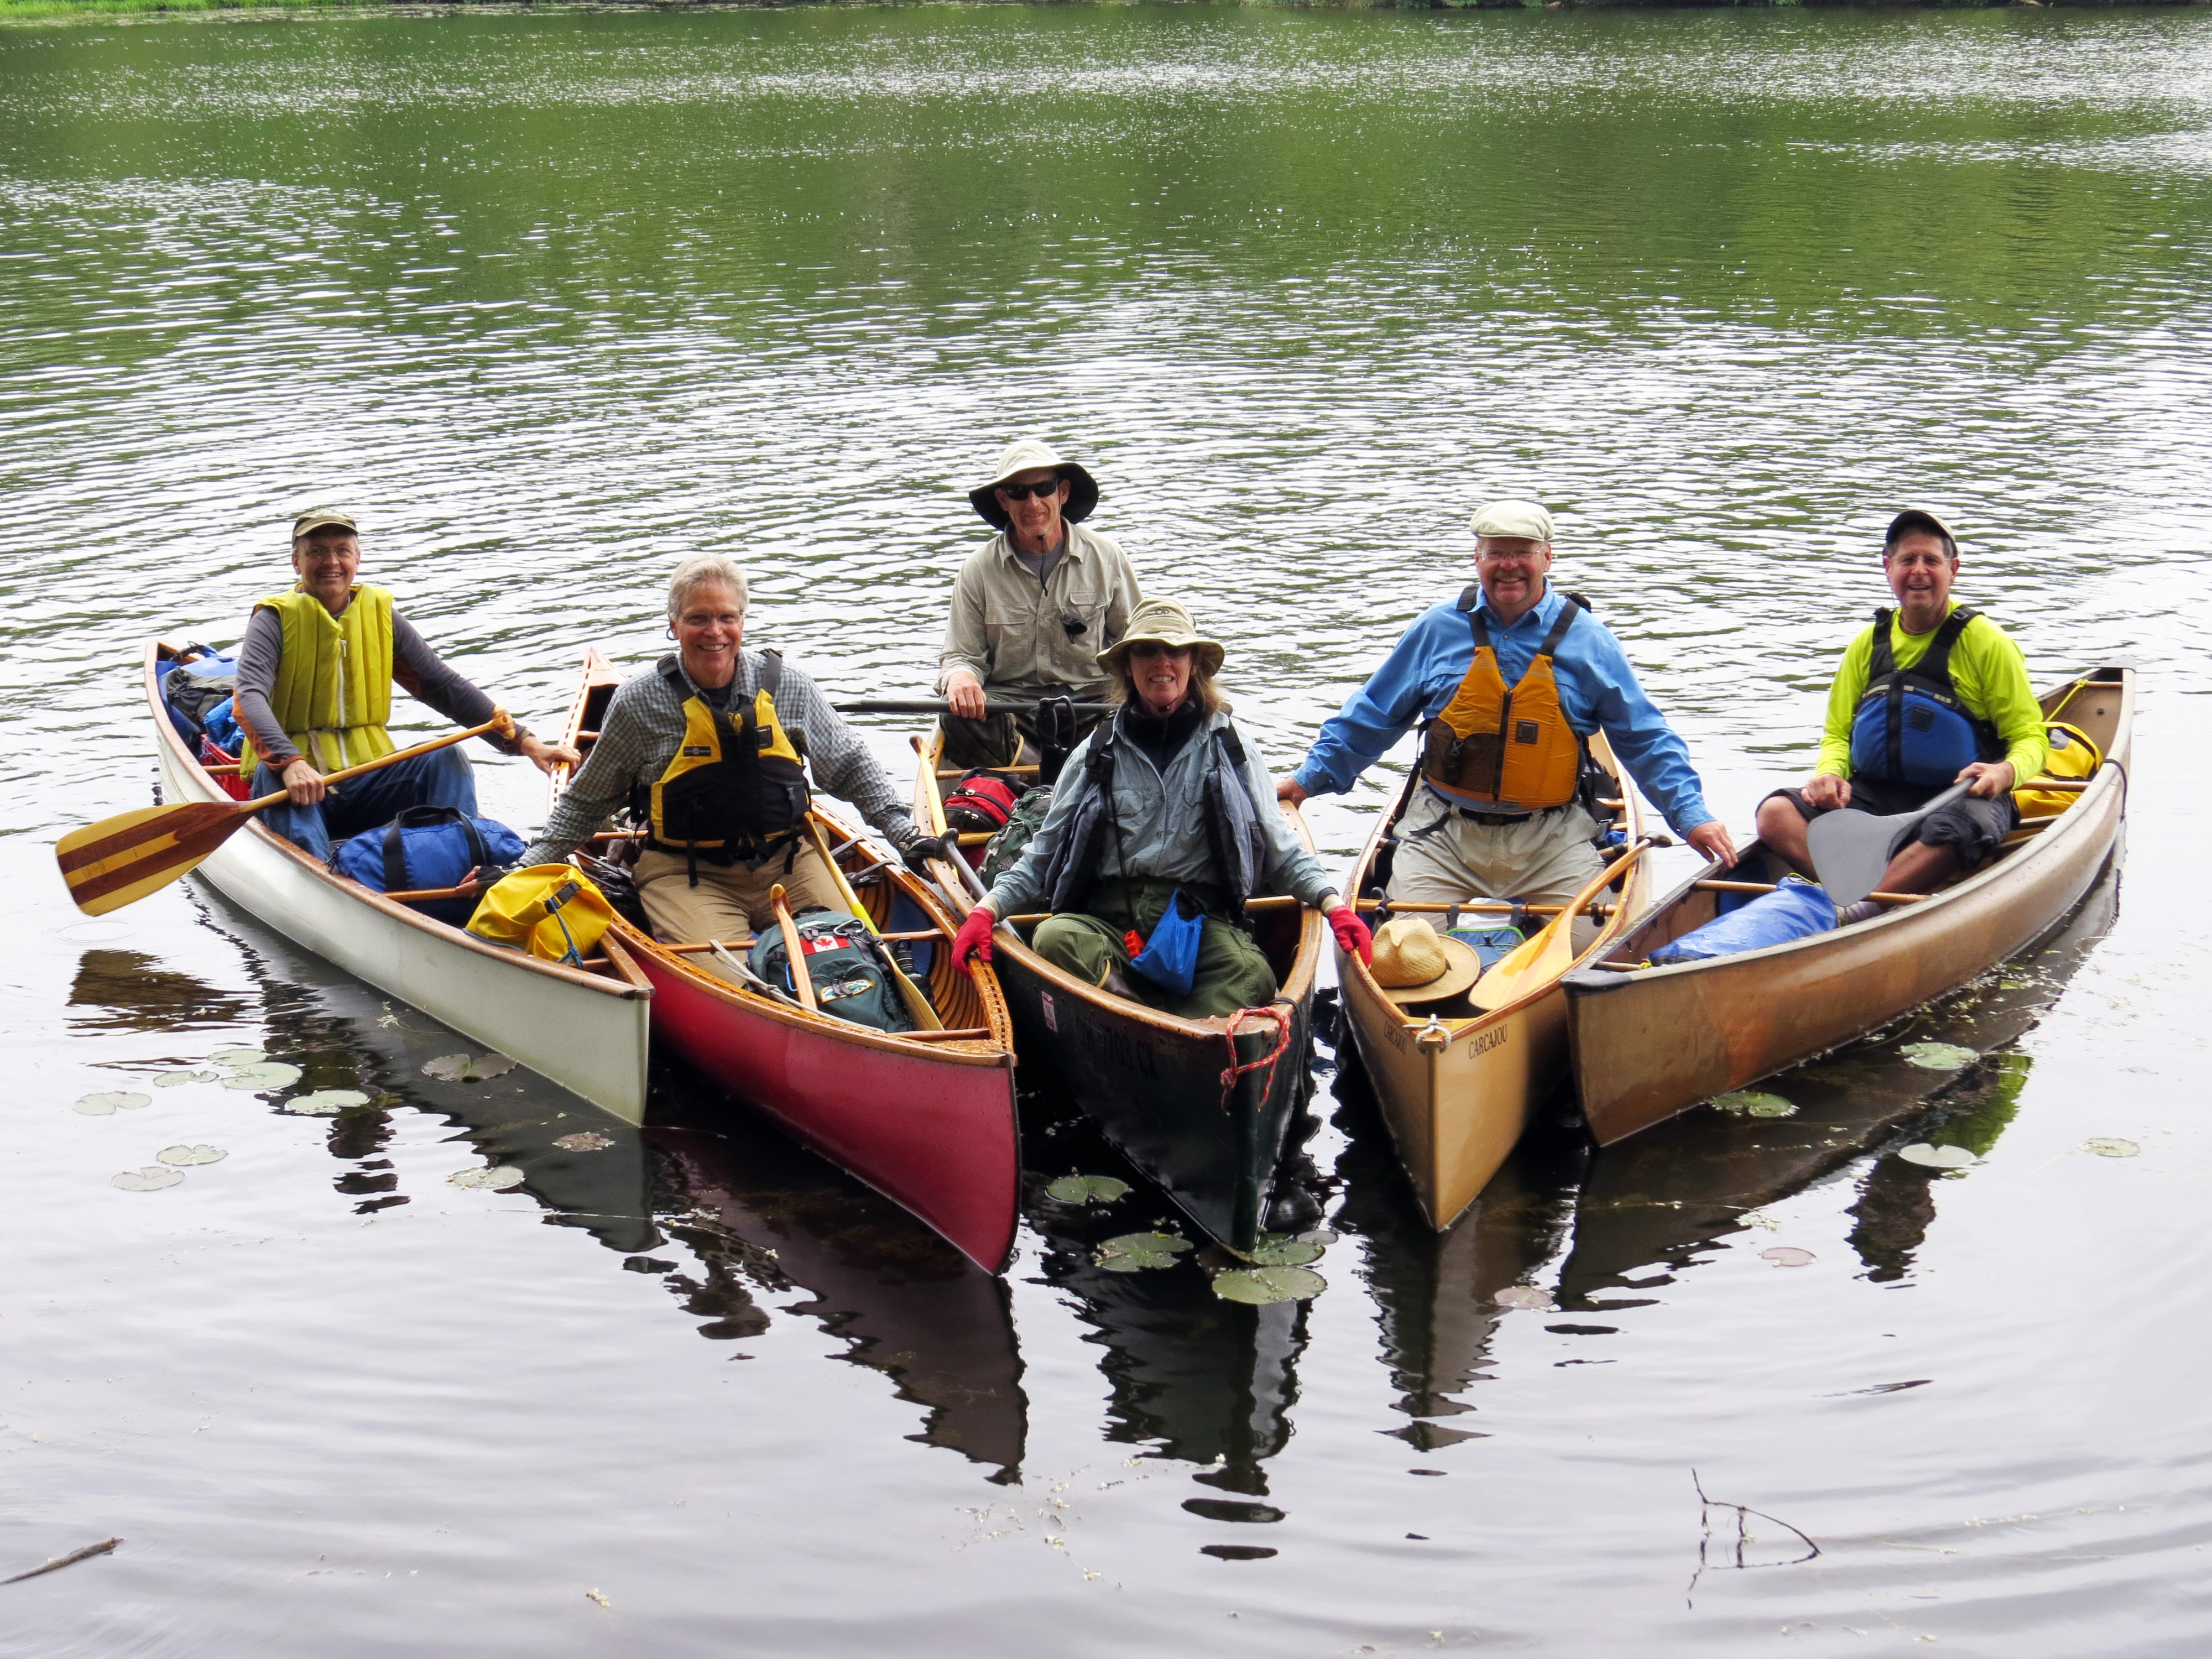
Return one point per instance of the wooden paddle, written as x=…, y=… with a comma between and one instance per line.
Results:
x=917, y=1006
x=1850, y=850
x=801, y=980
x=119, y=860
x=1542, y=959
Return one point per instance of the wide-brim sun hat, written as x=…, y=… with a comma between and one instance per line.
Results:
x=1163, y=622
x=1026, y=455
x=1413, y=963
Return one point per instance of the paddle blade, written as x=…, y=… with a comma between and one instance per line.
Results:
x=1526, y=966
x=119, y=860
x=1850, y=850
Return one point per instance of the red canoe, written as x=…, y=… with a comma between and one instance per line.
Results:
x=927, y=1118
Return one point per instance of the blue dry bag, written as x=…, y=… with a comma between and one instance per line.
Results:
x=1792, y=910
x=1491, y=944
x=428, y=847
x=1169, y=959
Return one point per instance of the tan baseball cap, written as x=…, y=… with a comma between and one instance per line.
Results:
x=322, y=518
x=1918, y=518
x=1527, y=520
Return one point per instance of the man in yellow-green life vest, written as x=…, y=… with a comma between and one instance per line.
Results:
x=1928, y=696
x=315, y=672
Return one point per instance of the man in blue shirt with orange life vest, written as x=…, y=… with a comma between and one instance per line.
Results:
x=1497, y=814
x=1934, y=695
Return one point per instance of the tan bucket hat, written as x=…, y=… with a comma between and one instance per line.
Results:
x=322, y=518
x=1527, y=520
x=1026, y=455
x=1413, y=963
x=1164, y=622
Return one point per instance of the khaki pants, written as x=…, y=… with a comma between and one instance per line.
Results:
x=729, y=901
x=1443, y=858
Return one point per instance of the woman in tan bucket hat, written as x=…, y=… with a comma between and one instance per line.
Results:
x=1033, y=608
x=1164, y=798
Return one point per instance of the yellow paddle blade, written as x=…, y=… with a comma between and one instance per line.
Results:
x=120, y=859
x=1505, y=979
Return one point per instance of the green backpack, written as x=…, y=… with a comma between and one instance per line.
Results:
x=850, y=981
x=1004, y=850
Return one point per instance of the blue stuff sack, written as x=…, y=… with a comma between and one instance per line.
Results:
x=1795, y=909
x=428, y=847
x=1169, y=959
x=1491, y=944
x=221, y=723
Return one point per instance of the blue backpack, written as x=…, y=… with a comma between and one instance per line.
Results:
x=426, y=847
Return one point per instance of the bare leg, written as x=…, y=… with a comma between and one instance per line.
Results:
x=1783, y=831
x=1918, y=868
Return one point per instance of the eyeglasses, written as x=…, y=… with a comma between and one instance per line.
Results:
x=1015, y=492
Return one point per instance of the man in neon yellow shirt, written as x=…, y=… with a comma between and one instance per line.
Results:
x=1933, y=695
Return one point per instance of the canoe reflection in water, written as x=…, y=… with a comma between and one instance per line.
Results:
x=763, y=1218
x=1627, y=1218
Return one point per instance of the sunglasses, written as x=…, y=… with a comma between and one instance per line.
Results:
x=1028, y=491
x=1154, y=648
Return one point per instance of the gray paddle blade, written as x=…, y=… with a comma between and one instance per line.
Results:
x=1851, y=850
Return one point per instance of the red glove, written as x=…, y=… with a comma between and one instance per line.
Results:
x=1352, y=934
x=974, y=938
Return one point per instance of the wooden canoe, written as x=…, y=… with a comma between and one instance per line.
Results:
x=1653, y=1041
x=1153, y=1082
x=1456, y=1084
x=925, y=1119
x=586, y=1031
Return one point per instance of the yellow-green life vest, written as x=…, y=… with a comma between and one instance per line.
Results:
x=333, y=690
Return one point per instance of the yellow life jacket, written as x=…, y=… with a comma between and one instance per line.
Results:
x=1495, y=748
x=736, y=790
x=333, y=690
x=2072, y=756
x=550, y=911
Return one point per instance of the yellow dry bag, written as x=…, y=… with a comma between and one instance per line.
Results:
x=553, y=911
x=2072, y=756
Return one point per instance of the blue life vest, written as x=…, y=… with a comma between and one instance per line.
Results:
x=1911, y=727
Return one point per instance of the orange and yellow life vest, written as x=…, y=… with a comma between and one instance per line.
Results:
x=1495, y=747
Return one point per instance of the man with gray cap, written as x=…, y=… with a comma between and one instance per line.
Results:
x=1033, y=608
x=1932, y=695
x=1508, y=683
x=315, y=672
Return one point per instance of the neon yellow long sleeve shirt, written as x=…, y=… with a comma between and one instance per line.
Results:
x=1986, y=668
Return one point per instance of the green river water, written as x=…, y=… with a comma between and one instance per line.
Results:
x=553, y=299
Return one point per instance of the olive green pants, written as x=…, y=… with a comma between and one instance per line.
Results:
x=1232, y=970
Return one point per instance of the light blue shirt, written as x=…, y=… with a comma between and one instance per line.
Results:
x=1597, y=689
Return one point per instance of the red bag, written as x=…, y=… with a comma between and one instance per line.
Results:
x=213, y=754
x=983, y=804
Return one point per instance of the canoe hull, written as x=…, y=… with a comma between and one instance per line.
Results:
x=586, y=1033
x=1651, y=1043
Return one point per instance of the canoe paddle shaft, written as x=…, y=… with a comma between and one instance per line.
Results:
x=119, y=860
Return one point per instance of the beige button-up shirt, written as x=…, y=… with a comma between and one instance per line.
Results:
x=1005, y=626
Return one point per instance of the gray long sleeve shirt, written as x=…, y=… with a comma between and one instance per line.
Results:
x=415, y=669
x=1162, y=826
x=644, y=726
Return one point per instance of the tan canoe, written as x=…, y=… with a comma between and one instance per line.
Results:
x=1455, y=1084
x=1651, y=1042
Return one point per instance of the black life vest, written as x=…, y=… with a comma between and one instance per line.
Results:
x=1234, y=832
x=1911, y=727
x=736, y=790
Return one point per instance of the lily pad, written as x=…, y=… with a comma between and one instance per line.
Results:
x=1275, y=1251
x=1261, y=1286
x=178, y=1079
x=150, y=1179
x=2111, y=1147
x=189, y=1155
x=587, y=1140
x=468, y=1068
x=1939, y=1056
x=1745, y=1104
x=1937, y=1157
x=107, y=1104
x=498, y=1177
x=236, y=1057
x=264, y=1078
x=326, y=1103
x=1788, y=1255
x=1134, y=1252
x=1523, y=1296
x=1087, y=1189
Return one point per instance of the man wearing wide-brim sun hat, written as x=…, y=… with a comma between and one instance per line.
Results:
x=1032, y=608
x=1165, y=804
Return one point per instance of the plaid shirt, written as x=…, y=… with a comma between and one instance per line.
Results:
x=644, y=727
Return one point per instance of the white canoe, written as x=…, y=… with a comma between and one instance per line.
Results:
x=584, y=1031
